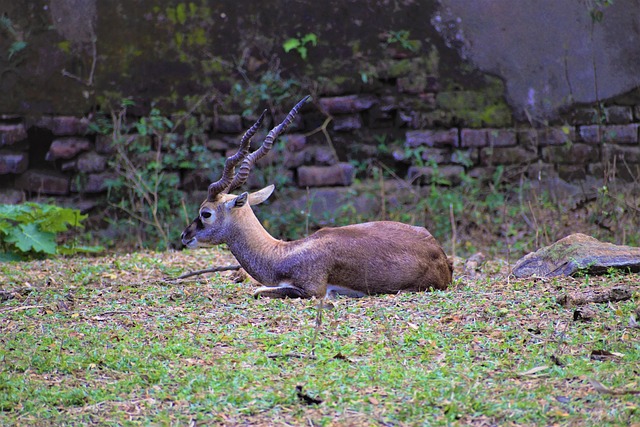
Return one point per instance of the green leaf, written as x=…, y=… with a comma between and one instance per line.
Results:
x=291, y=44
x=27, y=238
x=310, y=38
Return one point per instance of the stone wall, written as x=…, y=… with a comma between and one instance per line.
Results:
x=57, y=156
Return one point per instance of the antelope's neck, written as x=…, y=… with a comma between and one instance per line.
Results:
x=254, y=248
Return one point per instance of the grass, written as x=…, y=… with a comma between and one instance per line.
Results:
x=106, y=341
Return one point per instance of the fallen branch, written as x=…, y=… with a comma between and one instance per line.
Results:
x=205, y=271
x=618, y=293
x=291, y=355
x=606, y=390
x=24, y=307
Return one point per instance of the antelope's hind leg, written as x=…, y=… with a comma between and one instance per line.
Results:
x=284, y=290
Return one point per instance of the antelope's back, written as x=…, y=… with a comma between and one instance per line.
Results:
x=391, y=256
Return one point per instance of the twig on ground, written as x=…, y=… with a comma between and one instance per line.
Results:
x=205, y=271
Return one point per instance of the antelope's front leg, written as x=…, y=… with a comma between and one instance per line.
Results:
x=283, y=290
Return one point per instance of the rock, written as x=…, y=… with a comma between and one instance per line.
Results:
x=617, y=134
x=11, y=197
x=578, y=253
x=66, y=148
x=13, y=162
x=347, y=123
x=473, y=138
x=92, y=183
x=325, y=176
x=42, y=181
x=444, y=175
x=12, y=133
x=64, y=125
x=91, y=162
x=346, y=104
x=228, y=123
x=432, y=138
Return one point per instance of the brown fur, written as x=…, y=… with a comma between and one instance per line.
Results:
x=363, y=259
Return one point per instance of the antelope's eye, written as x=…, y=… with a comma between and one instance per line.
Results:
x=206, y=214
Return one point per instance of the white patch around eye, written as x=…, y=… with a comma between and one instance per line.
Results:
x=211, y=218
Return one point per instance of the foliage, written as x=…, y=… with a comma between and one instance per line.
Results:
x=149, y=156
x=108, y=339
x=31, y=230
x=271, y=88
x=299, y=44
x=18, y=43
x=401, y=37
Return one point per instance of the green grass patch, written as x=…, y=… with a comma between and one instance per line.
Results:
x=106, y=341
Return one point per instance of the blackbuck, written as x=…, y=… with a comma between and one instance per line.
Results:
x=383, y=257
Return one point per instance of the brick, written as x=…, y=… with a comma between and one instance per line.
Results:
x=294, y=141
x=13, y=163
x=12, y=133
x=228, y=123
x=572, y=172
x=527, y=138
x=43, y=182
x=92, y=183
x=618, y=114
x=506, y=156
x=570, y=154
x=473, y=138
x=501, y=137
x=584, y=116
x=346, y=104
x=621, y=153
x=64, y=125
x=556, y=135
x=104, y=144
x=340, y=174
x=91, y=162
x=347, y=123
x=432, y=138
x=67, y=148
x=618, y=134
x=448, y=174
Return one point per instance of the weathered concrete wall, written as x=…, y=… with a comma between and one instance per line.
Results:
x=550, y=53
x=385, y=75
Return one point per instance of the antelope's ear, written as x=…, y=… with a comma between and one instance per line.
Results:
x=239, y=201
x=261, y=195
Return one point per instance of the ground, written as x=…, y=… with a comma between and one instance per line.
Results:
x=107, y=341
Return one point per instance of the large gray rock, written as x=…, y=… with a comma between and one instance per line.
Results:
x=578, y=253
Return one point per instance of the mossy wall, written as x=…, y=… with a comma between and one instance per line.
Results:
x=70, y=56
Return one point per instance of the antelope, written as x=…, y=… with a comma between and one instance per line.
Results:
x=382, y=257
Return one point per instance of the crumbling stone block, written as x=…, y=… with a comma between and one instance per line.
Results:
x=12, y=133
x=340, y=174
x=43, y=182
x=424, y=175
x=228, y=123
x=346, y=104
x=91, y=162
x=66, y=148
x=13, y=163
x=473, y=138
x=556, y=135
x=501, y=137
x=577, y=153
x=64, y=125
x=432, y=138
x=347, y=123
x=617, y=134
x=618, y=114
x=506, y=156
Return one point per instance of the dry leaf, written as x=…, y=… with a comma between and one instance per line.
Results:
x=534, y=371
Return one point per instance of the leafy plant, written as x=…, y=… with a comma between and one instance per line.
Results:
x=299, y=44
x=18, y=43
x=31, y=230
x=401, y=38
x=148, y=159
